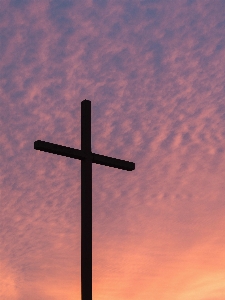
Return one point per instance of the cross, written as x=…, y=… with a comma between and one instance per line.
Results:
x=87, y=157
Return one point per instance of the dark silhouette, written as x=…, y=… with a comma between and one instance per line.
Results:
x=87, y=158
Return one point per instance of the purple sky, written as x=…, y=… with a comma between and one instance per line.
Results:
x=155, y=74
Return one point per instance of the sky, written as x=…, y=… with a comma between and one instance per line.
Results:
x=154, y=72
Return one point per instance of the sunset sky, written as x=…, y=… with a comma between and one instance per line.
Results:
x=154, y=71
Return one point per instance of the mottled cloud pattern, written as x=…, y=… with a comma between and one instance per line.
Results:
x=154, y=72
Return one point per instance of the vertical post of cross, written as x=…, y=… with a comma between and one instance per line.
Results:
x=86, y=202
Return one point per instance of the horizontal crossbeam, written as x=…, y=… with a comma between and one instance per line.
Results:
x=78, y=154
x=113, y=162
x=58, y=149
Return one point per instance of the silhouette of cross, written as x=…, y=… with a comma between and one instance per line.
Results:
x=87, y=158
